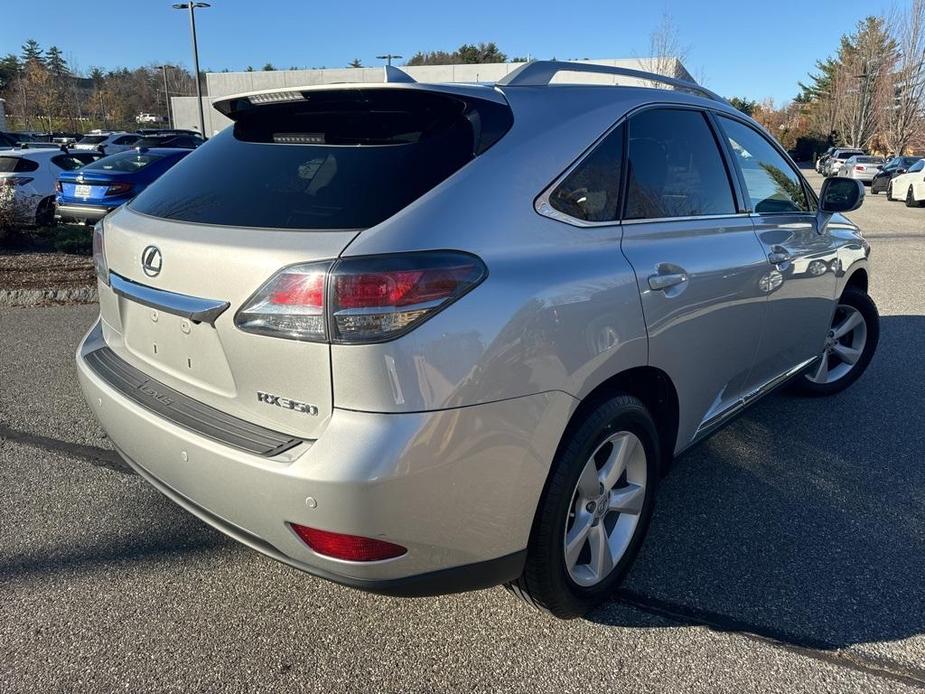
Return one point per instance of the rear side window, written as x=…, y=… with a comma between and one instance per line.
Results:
x=771, y=183
x=125, y=140
x=675, y=167
x=17, y=165
x=592, y=190
x=342, y=159
x=68, y=162
x=92, y=139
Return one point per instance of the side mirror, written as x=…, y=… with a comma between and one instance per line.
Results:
x=900, y=171
x=841, y=195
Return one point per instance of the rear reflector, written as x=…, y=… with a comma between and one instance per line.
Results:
x=347, y=547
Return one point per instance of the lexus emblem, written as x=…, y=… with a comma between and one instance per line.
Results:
x=151, y=261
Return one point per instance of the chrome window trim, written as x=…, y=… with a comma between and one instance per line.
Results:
x=689, y=218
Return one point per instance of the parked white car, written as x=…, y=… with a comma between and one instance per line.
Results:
x=28, y=177
x=909, y=186
x=149, y=118
x=108, y=143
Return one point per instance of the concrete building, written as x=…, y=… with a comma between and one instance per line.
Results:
x=219, y=84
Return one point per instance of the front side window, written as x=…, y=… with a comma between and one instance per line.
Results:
x=770, y=182
x=591, y=192
x=675, y=167
x=917, y=166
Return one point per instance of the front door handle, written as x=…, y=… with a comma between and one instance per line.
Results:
x=661, y=282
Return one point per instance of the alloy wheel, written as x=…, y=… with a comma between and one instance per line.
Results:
x=605, y=508
x=844, y=345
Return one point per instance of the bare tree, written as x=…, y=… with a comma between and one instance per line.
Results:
x=666, y=50
x=905, y=107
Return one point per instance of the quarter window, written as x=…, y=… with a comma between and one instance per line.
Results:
x=591, y=192
x=770, y=182
x=675, y=167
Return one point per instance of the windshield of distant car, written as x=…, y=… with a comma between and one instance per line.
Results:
x=125, y=162
x=92, y=139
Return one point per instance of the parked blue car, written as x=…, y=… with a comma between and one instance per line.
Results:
x=91, y=192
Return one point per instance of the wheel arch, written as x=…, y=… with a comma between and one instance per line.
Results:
x=653, y=387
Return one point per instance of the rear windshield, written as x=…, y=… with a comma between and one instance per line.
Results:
x=92, y=139
x=125, y=162
x=344, y=159
x=17, y=165
x=869, y=160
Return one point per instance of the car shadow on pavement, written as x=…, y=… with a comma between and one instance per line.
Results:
x=805, y=519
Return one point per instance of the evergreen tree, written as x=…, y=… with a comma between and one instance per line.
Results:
x=56, y=63
x=32, y=52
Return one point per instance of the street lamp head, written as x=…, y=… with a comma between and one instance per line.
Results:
x=186, y=5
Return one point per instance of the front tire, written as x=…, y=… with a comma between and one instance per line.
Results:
x=889, y=192
x=850, y=345
x=594, y=512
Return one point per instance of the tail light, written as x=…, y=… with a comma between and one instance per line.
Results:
x=58, y=187
x=359, y=300
x=12, y=181
x=119, y=189
x=858, y=168
x=99, y=253
x=347, y=547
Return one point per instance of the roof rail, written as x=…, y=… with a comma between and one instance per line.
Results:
x=539, y=73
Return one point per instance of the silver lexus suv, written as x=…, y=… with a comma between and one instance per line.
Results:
x=419, y=338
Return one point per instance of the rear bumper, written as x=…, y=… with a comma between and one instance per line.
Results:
x=90, y=213
x=457, y=487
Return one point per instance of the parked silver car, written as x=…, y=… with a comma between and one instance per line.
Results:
x=833, y=164
x=861, y=167
x=420, y=338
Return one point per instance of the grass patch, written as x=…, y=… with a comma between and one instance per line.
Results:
x=75, y=239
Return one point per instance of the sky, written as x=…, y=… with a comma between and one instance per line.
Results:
x=738, y=47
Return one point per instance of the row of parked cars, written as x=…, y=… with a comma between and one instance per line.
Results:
x=43, y=182
x=900, y=177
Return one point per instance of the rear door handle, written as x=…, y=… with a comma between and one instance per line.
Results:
x=660, y=282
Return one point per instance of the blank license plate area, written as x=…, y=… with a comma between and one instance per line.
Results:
x=188, y=351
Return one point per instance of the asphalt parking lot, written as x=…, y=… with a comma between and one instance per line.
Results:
x=787, y=553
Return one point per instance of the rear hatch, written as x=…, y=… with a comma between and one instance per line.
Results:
x=290, y=182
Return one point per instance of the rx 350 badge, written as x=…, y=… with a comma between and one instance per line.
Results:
x=287, y=403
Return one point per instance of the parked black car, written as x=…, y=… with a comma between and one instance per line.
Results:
x=894, y=167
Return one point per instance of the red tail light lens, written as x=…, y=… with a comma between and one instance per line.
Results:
x=377, y=298
x=858, y=168
x=119, y=189
x=290, y=305
x=359, y=300
x=347, y=547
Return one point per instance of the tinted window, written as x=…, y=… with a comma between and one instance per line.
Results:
x=675, y=167
x=868, y=160
x=92, y=139
x=771, y=183
x=68, y=162
x=917, y=166
x=125, y=162
x=591, y=191
x=17, y=165
x=346, y=159
x=125, y=140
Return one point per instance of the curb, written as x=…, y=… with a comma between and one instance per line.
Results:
x=43, y=297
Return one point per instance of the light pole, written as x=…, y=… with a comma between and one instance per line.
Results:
x=192, y=7
x=388, y=56
x=167, y=96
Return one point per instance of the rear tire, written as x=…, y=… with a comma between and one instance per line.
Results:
x=850, y=346
x=910, y=198
x=45, y=213
x=582, y=545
